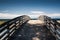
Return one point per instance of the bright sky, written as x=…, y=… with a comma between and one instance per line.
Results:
x=33, y=8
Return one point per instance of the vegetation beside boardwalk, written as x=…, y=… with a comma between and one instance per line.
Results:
x=1, y=22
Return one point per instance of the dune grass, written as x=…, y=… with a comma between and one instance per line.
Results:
x=1, y=22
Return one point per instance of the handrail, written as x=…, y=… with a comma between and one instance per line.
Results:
x=54, y=28
x=8, y=28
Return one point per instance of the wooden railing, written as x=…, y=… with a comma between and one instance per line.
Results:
x=8, y=28
x=54, y=28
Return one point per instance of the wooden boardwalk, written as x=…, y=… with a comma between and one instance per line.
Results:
x=30, y=31
x=25, y=28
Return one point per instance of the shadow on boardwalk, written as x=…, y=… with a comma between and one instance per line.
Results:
x=32, y=32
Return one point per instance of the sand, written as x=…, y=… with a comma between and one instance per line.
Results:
x=36, y=22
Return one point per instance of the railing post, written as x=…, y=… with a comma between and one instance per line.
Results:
x=8, y=30
x=19, y=21
x=15, y=24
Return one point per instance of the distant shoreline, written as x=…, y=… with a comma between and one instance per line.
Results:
x=5, y=19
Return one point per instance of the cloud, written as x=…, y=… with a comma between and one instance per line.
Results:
x=10, y=16
x=5, y=11
x=33, y=14
x=38, y=13
x=7, y=16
